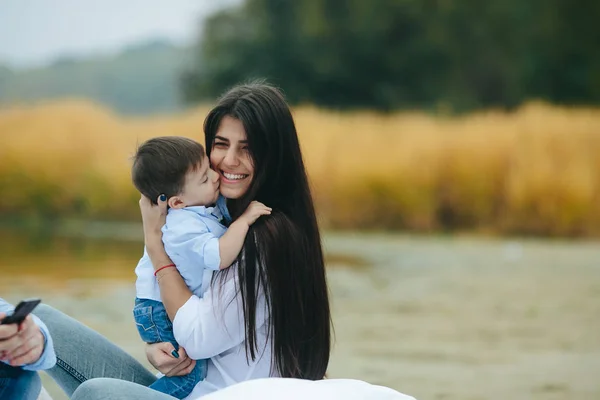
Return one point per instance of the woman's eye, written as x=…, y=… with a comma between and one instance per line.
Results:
x=220, y=144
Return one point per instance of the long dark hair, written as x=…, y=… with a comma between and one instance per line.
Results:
x=282, y=254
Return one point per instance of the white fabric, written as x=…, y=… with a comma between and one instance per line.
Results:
x=191, y=238
x=44, y=395
x=297, y=389
x=212, y=327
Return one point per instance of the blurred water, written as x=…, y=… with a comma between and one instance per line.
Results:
x=439, y=318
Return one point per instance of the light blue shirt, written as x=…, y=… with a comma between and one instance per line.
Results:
x=222, y=206
x=48, y=357
x=191, y=238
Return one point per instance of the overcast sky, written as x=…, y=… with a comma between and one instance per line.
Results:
x=36, y=32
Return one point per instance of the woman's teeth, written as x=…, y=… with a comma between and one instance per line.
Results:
x=233, y=177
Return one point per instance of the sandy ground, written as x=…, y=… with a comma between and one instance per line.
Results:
x=432, y=317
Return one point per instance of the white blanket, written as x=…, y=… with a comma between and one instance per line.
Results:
x=297, y=389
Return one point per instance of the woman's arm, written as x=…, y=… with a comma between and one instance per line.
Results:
x=173, y=290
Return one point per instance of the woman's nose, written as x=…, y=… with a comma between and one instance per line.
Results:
x=231, y=158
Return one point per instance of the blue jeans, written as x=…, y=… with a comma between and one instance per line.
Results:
x=90, y=367
x=18, y=384
x=154, y=326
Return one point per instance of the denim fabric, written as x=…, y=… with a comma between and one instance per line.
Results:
x=18, y=384
x=83, y=354
x=222, y=206
x=154, y=326
x=152, y=322
x=116, y=389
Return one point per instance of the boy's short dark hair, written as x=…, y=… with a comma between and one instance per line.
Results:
x=161, y=164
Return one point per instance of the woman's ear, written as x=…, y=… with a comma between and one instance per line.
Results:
x=175, y=202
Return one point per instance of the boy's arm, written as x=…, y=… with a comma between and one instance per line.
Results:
x=231, y=243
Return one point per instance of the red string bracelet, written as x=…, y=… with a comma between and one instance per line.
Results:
x=161, y=268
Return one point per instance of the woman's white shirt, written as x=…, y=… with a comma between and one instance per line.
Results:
x=212, y=327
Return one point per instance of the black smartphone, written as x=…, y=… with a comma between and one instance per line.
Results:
x=22, y=310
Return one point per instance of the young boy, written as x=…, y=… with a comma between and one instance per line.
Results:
x=193, y=236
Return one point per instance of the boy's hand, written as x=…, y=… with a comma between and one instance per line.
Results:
x=254, y=211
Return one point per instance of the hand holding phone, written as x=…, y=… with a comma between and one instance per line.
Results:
x=21, y=339
x=21, y=312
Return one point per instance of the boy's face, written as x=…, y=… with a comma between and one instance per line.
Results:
x=201, y=188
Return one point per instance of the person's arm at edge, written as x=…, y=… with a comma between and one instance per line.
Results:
x=48, y=358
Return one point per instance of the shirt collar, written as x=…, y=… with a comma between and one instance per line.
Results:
x=222, y=207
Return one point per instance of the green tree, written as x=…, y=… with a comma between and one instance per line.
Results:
x=389, y=54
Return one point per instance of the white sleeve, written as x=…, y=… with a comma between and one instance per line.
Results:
x=208, y=326
x=191, y=240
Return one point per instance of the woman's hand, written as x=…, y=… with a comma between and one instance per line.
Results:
x=21, y=344
x=153, y=219
x=160, y=355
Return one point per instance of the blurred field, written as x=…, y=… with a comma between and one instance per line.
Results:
x=441, y=319
x=535, y=171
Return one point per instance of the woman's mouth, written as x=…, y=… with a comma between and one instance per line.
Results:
x=233, y=178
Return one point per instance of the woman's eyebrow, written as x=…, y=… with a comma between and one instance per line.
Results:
x=245, y=141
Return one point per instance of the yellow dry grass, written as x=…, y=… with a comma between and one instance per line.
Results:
x=533, y=171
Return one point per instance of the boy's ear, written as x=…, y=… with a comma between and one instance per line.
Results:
x=175, y=202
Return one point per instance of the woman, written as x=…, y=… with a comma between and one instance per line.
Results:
x=268, y=315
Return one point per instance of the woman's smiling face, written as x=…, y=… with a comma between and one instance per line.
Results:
x=231, y=159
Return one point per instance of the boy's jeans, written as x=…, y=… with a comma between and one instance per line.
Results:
x=154, y=326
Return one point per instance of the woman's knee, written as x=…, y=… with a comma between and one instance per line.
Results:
x=115, y=389
x=95, y=389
